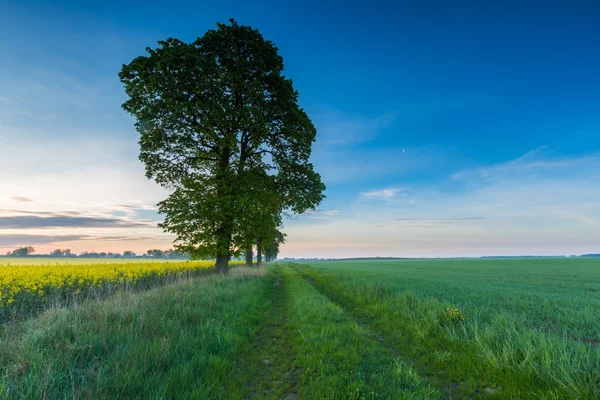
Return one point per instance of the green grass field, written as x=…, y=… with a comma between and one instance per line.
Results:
x=423, y=329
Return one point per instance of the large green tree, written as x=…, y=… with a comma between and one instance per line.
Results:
x=215, y=116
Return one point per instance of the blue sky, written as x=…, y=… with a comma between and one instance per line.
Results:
x=468, y=129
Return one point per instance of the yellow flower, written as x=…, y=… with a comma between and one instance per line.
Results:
x=36, y=280
x=453, y=316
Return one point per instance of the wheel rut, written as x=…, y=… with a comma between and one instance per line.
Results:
x=268, y=362
x=449, y=389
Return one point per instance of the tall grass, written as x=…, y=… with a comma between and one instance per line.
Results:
x=175, y=341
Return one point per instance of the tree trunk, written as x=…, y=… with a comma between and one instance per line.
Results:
x=249, y=256
x=222, y=265
x=225, y=226
x=259, y=252
x=223, y=242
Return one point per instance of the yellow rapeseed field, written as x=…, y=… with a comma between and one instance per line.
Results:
x=39, y=283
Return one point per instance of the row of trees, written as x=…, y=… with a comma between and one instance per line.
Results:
x=174, y=253
x=221, y=128
x=170, y=254
x=154, y=253
x=270, y=252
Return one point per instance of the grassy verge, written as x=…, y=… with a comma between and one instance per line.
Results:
x=177, y=341
x=501, y=358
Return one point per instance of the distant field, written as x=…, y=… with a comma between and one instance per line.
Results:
x=419, y=329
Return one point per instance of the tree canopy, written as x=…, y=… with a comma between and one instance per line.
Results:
x=220, y=126
x=21, y=252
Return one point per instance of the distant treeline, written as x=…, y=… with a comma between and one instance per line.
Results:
x=152, y=253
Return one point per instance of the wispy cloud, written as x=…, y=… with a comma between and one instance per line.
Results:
x=38, y=213
x=332, y=212
x=441, y=220
x=8, y=241
x=15, y=240
x=22, y=199
x=66, y=221
x=385, y=194
x=338, y=129
x=536, y=163
x=322, y=214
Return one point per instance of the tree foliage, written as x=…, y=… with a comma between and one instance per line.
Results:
x=155, y=253
x=272, y=242
x=21, y=252
x=61, y=253
x=220, y=126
